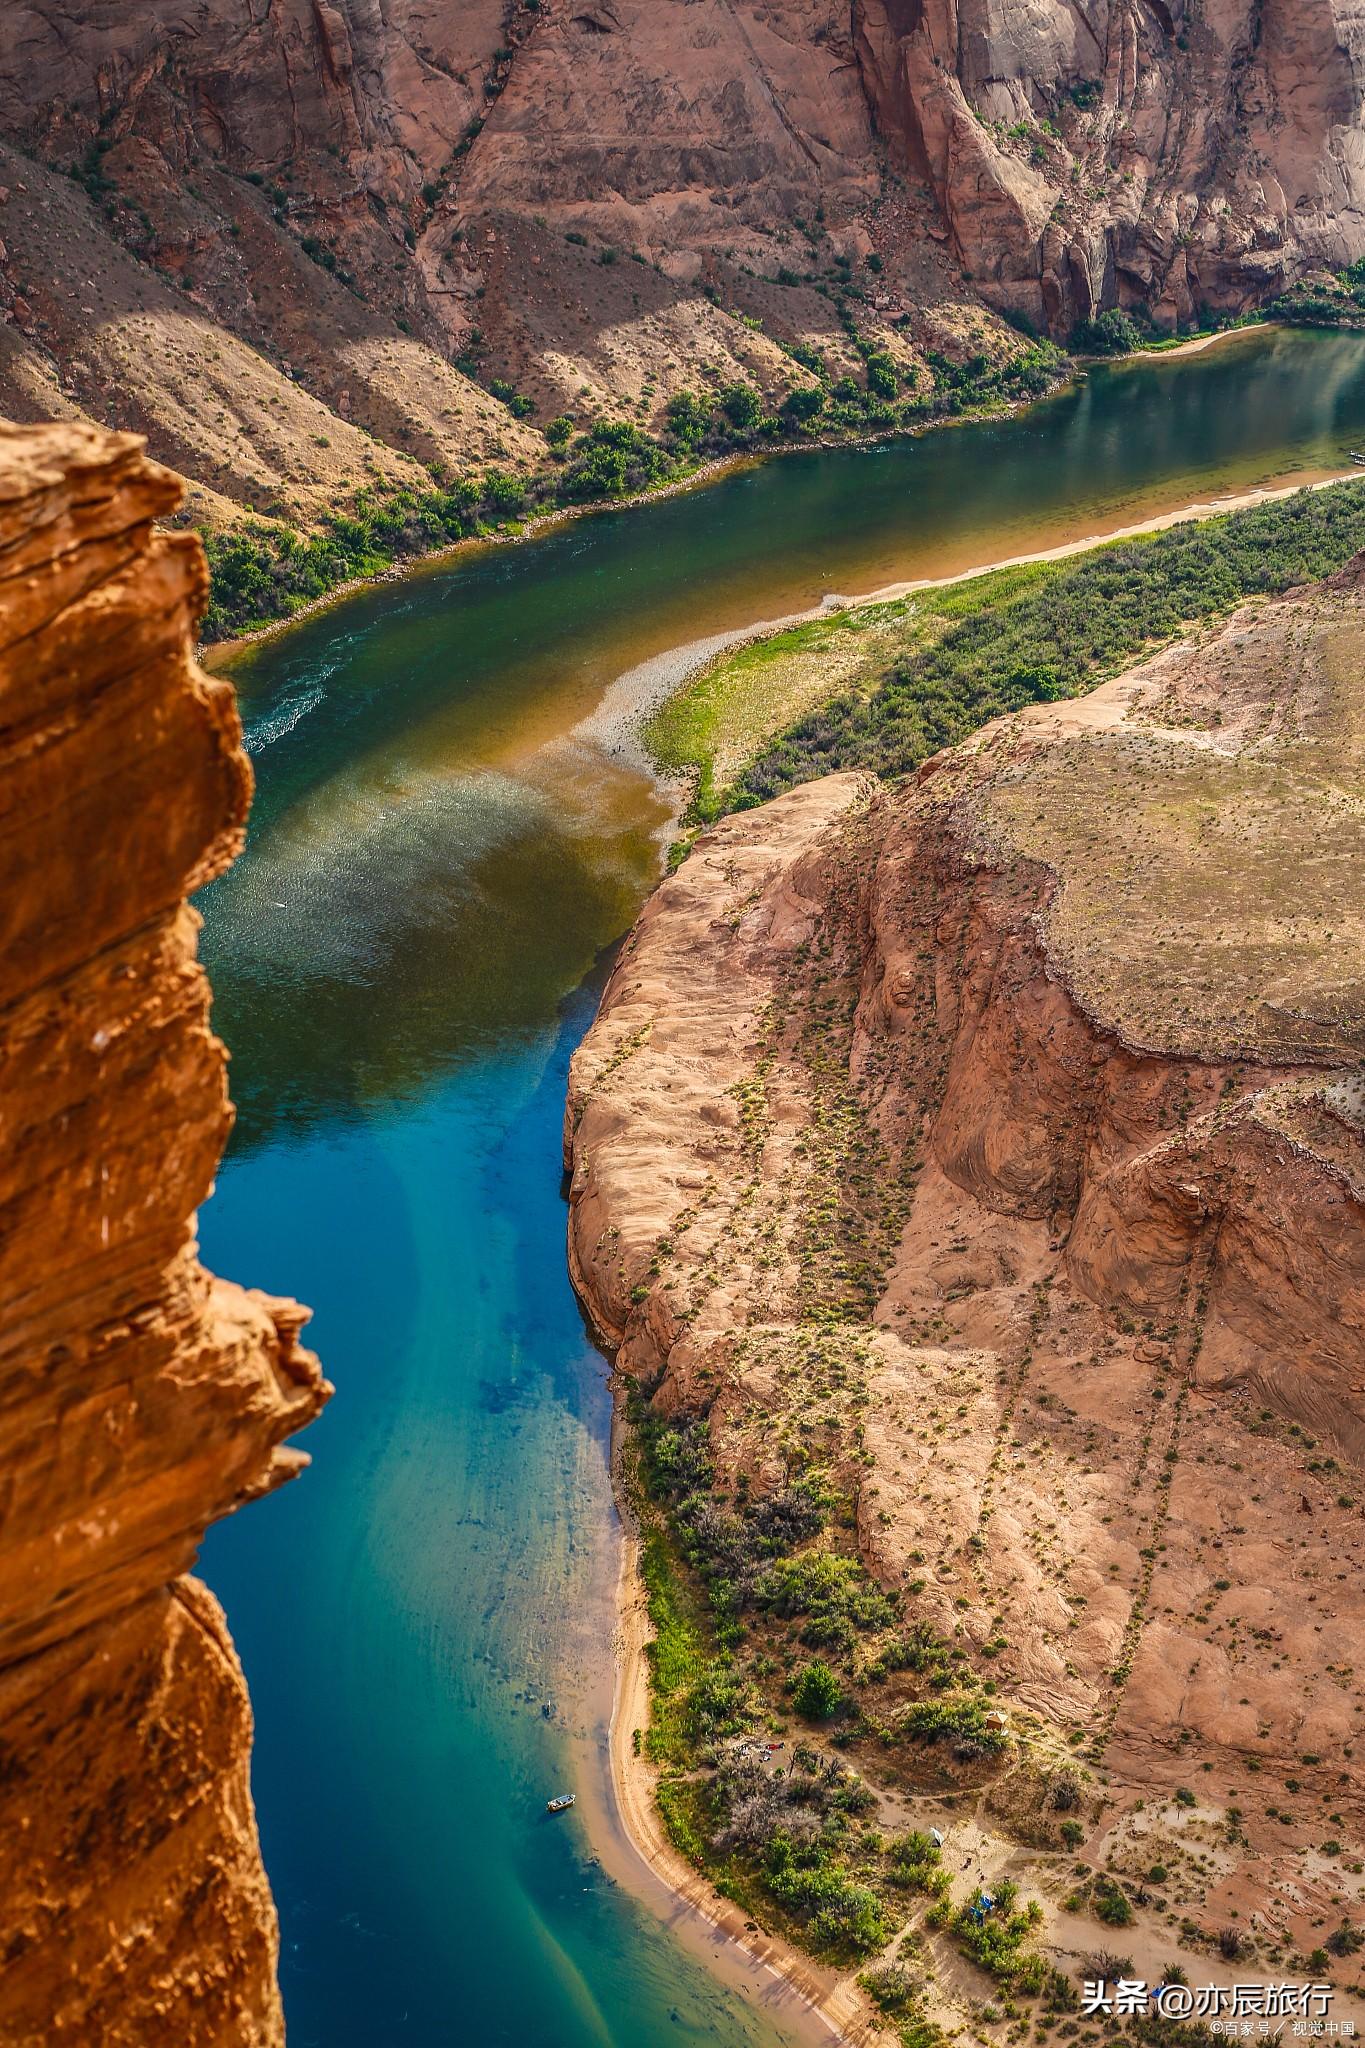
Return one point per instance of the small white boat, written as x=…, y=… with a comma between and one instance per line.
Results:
x=561, y=1802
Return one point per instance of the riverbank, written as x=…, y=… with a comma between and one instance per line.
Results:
x=1170, y=351
x=537, y=525
x=1206, y=508
x=620, y=722
x=1002, y=403
x=540, y=524
x=633, y=1778
x=616, y=1787
x=815, y=2004
x=517, y=534
x=1197, y=343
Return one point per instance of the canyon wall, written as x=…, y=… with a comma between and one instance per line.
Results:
x=994, y=1149
x=140, y=1397
x=1172, y=154
x=297, y=245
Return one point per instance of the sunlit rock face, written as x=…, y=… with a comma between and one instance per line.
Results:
x=1136, y=152
x=296, y=245
x=140, y=1397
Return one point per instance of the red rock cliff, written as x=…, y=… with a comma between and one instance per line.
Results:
x=140, y=1397
x=285, y=224
x=994, y=1148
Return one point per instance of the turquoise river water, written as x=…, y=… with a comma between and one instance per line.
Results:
x=403, y=961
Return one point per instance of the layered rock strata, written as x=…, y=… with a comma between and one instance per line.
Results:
x=140, y=1397
x=298, y=245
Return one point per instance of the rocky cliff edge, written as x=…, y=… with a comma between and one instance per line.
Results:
x=140, y=1397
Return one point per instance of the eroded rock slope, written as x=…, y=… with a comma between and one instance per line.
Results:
x=140, y=1397
x=297, y=244
x=995, y=1149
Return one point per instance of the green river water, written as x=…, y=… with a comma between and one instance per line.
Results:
x=403, y=962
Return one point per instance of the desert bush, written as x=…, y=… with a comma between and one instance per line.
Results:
x=833, y=1594
x=961, y=1719
x=890, y=1986
x=1112, y=1904
x=917, y=1864
x=817, y=1695
x=995, y=1939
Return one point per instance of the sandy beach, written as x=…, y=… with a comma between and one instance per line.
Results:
x=1200, y=342
x=625, y=707
x=814, y=2006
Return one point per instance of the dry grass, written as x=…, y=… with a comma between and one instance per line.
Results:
x=1212, y=844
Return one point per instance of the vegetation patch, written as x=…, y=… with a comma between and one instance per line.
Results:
x=961, y=1720
x=994, y=1932
x=779, y=1829
x=677, y=1655
x=718, y=722
x=1059, y=632
x=1335, y=299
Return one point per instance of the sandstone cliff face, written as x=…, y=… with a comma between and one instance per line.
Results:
x=140, y=1397
x=301, y=240
x=997, y=1147
x=1161, y=153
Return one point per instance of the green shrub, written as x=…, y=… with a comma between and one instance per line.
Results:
x=1112, y=1904
x=507, y=394
x=689, y=418
x=961, y=1719
x=833, y=1593
x=612, y=460
x=676, y=1800
x=891, y=1987
x=719, y=1704
x=817, y=1695
x=1114, y=333
x=921, y=1650
x=917, y=1864
x=840, y=1913
x=742, y=406
x=803, y=404
x=995, y=1938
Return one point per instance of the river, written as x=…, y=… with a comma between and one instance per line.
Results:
x=403, y=961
